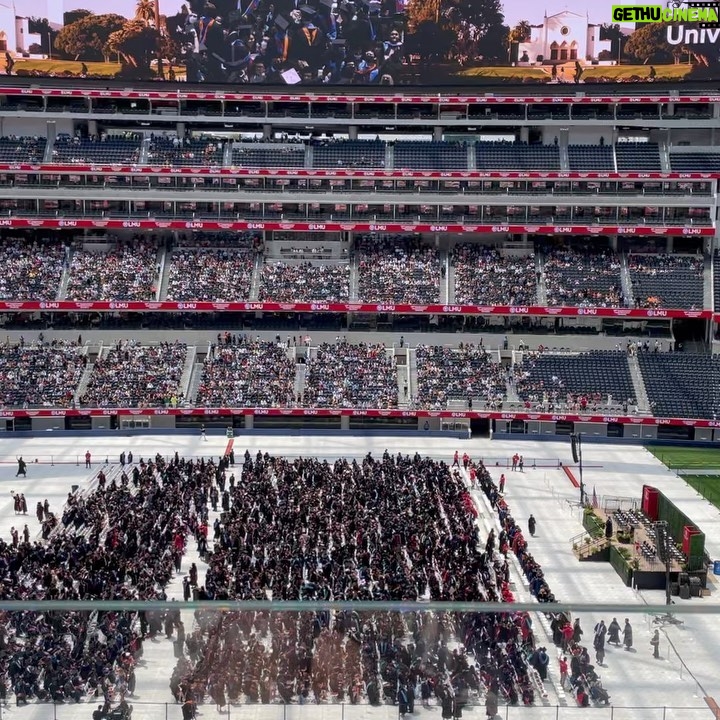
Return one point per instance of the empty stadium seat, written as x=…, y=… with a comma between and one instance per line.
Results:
x=349, y=153
x=430, y=156
x=598, y=158
x=109, y=149
x=185, y=152
x=695, y=162
x=603, y=372
x=638, y=157
x=245, y=155
x=516, y=156
x=22, y=149
x=670, y=281
x=682, y=384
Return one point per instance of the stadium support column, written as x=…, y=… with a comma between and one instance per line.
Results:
x=353, y=132
x=438, y=134
x=524, y=134
x=51, y=133
x=180, y=130
x=267, y=131
x=92, y=128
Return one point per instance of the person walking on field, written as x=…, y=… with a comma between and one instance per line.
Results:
x=627, y=635
x=88, y=458
x=502, y=484
x=531, y=525
x=563, y=671
x=22, y=468
x=655, y=642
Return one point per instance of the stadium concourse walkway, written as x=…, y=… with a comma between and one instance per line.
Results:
x=200, y=338
x=634, y=680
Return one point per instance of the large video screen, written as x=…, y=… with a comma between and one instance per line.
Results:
x=360, y=42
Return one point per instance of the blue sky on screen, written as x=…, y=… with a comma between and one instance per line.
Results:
x=515, y=10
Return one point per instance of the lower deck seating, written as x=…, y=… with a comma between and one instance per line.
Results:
x=577, y=380
x=682, y=384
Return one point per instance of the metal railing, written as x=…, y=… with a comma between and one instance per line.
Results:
x=363, y=711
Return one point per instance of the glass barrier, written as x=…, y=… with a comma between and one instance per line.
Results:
x=366, y=660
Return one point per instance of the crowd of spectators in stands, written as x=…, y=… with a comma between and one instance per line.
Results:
x=41, y=374
x=122, y=538
x=466, y=373
x=351, y=375
x=247, y=373
x=133, y=375
x=398, y=270
x=210, y=274
x=305, y=282
x=31, y=270
x=391, y=528
x=170, y=151
x=22, y=149
x=128, y=272
x=583, y=278
x=484, y=276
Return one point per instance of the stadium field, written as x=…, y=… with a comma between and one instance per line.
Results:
x=702, y=460
x=687, y=458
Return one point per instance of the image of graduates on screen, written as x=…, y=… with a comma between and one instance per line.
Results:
x=350, y=42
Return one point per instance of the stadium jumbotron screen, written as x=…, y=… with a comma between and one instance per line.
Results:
x=360, y=42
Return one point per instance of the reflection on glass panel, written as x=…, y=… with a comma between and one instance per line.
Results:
x=277, y=587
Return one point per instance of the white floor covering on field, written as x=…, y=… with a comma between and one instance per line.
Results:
x=641, y=687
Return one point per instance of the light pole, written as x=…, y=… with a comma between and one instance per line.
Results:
x=576, y=442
